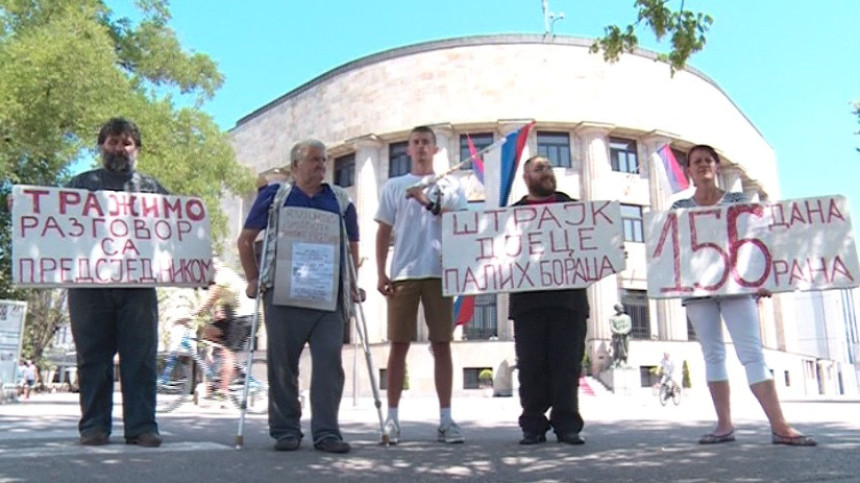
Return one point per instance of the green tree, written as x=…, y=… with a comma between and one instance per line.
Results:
x=686, y=30
x=46, y=313
x=66, y=66
x=685, y=376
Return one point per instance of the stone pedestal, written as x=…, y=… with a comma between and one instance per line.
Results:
x=624, y=381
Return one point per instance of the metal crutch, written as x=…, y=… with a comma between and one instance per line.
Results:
x=240, y=433
x=361, y=330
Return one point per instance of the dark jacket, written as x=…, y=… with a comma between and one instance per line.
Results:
x=575, y=300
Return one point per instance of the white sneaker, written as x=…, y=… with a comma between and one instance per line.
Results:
x=392, y=430
x=450, y=433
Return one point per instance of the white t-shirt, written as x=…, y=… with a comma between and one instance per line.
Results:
x=417, y=231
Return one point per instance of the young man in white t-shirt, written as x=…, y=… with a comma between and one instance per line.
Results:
x=414, y=214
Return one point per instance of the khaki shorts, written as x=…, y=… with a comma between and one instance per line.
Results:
x=403, y=311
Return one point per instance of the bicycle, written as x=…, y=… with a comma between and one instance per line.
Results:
x=177, y=379
x=670, y=390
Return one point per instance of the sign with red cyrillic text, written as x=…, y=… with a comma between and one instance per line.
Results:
x=802, y=244
x=76, y=238
x=531, y=247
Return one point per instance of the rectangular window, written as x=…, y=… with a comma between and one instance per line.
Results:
x=555, y=146
x=383, y=379
x=636, y=305
x=344, y=171
x=631, y=220
x=483, y=324
x=787, y=379
x=480, y=140
x=398, y=159
x=622, y=155
x=648, y=376
x=472, y=377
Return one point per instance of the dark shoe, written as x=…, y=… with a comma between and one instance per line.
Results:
x=533, y=438
x=147, y=440
x=332, y=445
x=712, y=438
x=288, y=443
x=570, y=438
x=95, y=438
x=799, y=440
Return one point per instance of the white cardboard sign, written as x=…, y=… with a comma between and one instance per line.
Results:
x=531, y=247
x=800, y=244
x=77, y=238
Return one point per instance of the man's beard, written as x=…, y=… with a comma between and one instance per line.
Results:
x=118, y=162
x=540, y=188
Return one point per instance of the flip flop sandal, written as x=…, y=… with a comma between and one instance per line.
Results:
x=712, y=438
x=799, y=440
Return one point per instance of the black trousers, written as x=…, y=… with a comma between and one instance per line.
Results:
x=549, y=344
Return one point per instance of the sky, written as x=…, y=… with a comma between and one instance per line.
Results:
x=792, y=66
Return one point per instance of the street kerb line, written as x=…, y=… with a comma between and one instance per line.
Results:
x=74, y=449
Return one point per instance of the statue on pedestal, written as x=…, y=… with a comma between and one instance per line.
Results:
x=621, y=325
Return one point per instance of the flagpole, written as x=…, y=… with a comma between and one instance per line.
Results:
x=430, y=180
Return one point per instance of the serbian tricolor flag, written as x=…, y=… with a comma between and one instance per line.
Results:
x=674, y=173
x=477, y=162
x=512, y=151
x=464, y=309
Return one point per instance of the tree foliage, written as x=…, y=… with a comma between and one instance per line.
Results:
x=686, y=30
x=66, y=66
x=46, y=313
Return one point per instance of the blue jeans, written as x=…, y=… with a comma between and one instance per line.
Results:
x=107, y=321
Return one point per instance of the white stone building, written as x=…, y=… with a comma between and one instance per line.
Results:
x=600, y=124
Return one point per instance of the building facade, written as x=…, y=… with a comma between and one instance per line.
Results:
x=600, y=124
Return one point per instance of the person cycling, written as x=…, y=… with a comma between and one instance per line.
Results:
x=232, y=317
x=667, y=369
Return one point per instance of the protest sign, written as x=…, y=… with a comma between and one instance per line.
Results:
x=800, y=244
x=531, y=247
x=67, y=237
x=307, y=270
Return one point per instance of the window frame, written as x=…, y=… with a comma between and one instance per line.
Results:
x=635, y=304
x=636, y=224
x=347, y=163
x=556, y=151
x=397, y=160
x=622, y=164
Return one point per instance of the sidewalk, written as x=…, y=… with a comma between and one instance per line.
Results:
x=628, y=439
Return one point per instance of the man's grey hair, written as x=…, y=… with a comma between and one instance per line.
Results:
x=301, y=147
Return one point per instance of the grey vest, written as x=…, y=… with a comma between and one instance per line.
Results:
x=267, y=275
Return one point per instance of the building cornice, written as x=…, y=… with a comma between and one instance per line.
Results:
x=473, y=41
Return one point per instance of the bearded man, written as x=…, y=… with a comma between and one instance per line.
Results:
x=549, y=337
x=107, y=321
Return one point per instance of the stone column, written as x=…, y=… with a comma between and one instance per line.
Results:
x=602, y=295
x=367, y=188
x=671, y=320
x=730, y=179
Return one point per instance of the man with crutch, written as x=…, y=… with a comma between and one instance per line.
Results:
x=304, y=283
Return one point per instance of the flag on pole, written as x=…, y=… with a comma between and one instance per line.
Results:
x=512, y=151
x=674, y=173
x=464, y=309
x=477, y=162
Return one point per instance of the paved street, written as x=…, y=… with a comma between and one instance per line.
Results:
x=628, y=439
